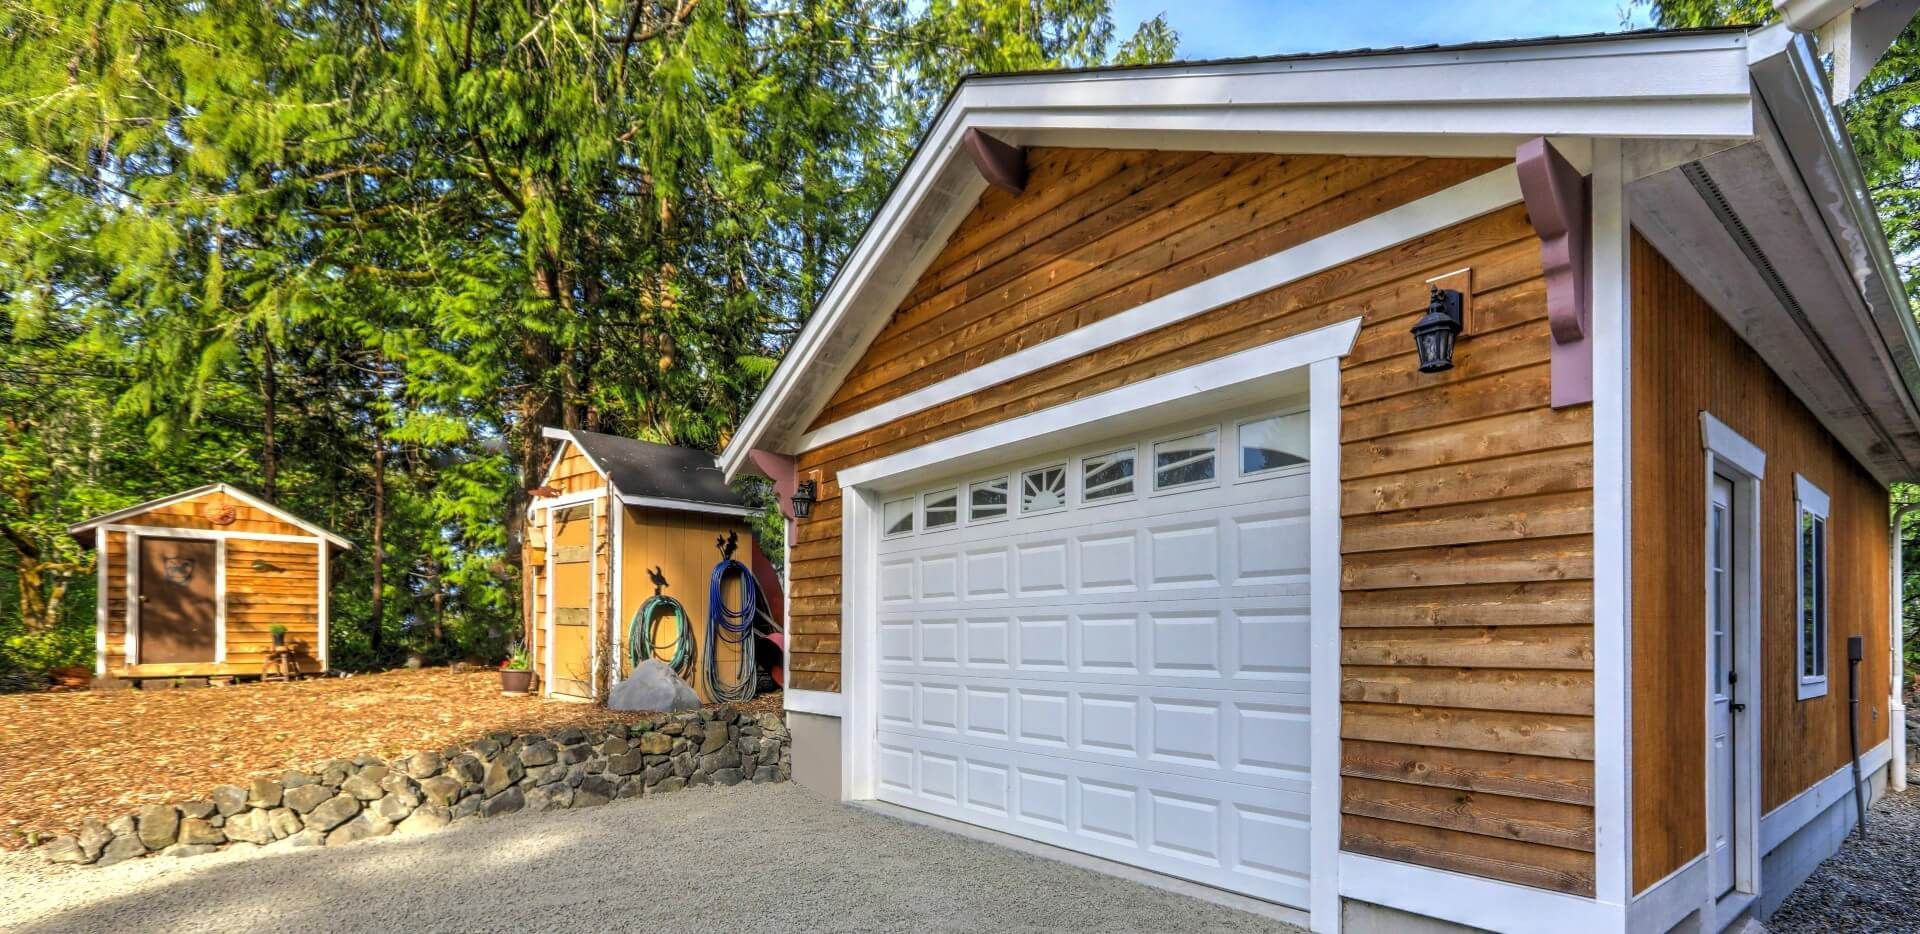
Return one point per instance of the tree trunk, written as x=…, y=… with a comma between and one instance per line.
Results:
x=270, y=393
x=374, y=627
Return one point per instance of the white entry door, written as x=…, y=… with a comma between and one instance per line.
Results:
x=1722, y=686
x=1107, y=650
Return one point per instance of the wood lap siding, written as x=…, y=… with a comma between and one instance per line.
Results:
x=1686, y=360
x=272, y=583
x=1467, y=500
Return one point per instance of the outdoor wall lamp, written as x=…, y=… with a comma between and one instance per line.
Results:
x=1434, y=333
x=804, y=493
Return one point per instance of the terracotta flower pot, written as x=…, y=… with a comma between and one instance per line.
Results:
x=515, y=683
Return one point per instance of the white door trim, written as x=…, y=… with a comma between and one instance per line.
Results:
x=134, y=544
x=1215, y=384
x=132, y=635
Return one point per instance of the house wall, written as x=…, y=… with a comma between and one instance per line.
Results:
x=1467, y=646
x=681, y=545
x=1686, y=360
x=268, y=582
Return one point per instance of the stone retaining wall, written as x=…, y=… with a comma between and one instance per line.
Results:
x=347, y=800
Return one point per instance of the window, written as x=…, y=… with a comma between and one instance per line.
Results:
x=1184, y=461
x=1107, y=476
x=1268, y=444
x=1043, y=488
x=942, y=508
x=1811, y=592
x=897, y=516
x=987, y=499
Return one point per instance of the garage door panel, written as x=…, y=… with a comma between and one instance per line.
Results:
x=1237, y=836
x=1128, y=677
x=1228, y=642
x=1234, y=736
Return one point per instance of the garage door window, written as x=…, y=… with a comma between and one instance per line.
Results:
x=1274, y=443
x=1107, y=477
x=1043, y=489
x=897, y=516
x=942, y=509
x=1185, y=461
x=987, y=499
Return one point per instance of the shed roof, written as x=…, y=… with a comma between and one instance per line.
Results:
x=660, y=475
x=134, y=511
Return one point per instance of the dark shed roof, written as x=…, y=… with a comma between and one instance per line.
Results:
x=659, y=471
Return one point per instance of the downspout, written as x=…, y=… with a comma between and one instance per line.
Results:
x=1896, y=704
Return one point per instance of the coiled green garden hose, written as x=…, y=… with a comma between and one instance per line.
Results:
x=640, y=632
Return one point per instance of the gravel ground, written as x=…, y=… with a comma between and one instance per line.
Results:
x=745, y=859
x=1867, y=886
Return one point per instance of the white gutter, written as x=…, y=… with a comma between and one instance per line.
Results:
x=1896, y=703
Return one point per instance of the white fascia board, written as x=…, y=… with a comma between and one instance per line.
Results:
x=1202, y=386
x=1822, y=163
x=1679, y=86
x=113, y=518
x=656, y=502
x=1438, y=211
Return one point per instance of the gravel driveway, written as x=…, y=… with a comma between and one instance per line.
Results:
x=743, y=859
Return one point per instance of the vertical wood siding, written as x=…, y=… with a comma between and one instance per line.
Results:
x=1467, y=501
x=681, y=545
x=1687, y=360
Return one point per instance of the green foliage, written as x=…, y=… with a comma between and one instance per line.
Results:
x=403, y=237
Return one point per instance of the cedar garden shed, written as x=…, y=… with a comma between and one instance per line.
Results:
x=1439, y=481
x=613, y=518
x=190, y=585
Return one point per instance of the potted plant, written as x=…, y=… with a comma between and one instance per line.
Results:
x=516, y=673
x=279, y=634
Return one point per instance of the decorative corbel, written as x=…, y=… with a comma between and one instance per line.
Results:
x=1561, y=211
x=1003, y=165
x=780, y=469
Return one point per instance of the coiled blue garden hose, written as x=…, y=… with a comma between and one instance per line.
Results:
x=735, y=627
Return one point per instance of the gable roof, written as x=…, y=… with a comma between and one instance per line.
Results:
x=1690, y=88
x=663, y=476
x=228, y=489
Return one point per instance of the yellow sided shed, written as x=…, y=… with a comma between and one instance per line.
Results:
x=613, y=519
x=191, y=585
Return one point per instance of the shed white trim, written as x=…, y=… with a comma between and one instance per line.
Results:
x=239, y=494
x=100, y=601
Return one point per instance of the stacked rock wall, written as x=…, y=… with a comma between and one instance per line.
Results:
x=346, y=800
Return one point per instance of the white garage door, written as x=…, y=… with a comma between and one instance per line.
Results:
x=1107, y=650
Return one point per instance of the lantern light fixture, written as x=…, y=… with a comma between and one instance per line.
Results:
x=804, y=494
x=1434, y=333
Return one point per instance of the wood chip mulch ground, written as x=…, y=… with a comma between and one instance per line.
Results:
x=68, y=756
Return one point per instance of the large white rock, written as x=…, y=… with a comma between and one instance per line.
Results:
x=653, y=686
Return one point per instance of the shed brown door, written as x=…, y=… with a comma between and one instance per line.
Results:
x=177, y=616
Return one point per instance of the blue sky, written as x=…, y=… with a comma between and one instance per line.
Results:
x=1227, y=28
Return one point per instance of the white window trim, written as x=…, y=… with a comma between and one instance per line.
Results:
x=1808, y=498
x=1215, y=384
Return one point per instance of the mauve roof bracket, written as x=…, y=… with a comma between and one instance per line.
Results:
x=1560, y=207
x=1003, y=165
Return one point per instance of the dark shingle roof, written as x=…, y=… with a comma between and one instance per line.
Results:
x=659, y=471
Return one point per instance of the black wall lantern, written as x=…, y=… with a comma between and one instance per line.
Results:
x=804, y=494
x=1434, y=333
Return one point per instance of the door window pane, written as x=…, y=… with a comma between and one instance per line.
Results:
x=1043, y=488
x=1272, y=443
x=943, y=508
x=897, y=516
x=1180, y=461
x=987, y=499
x=1105, y=476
